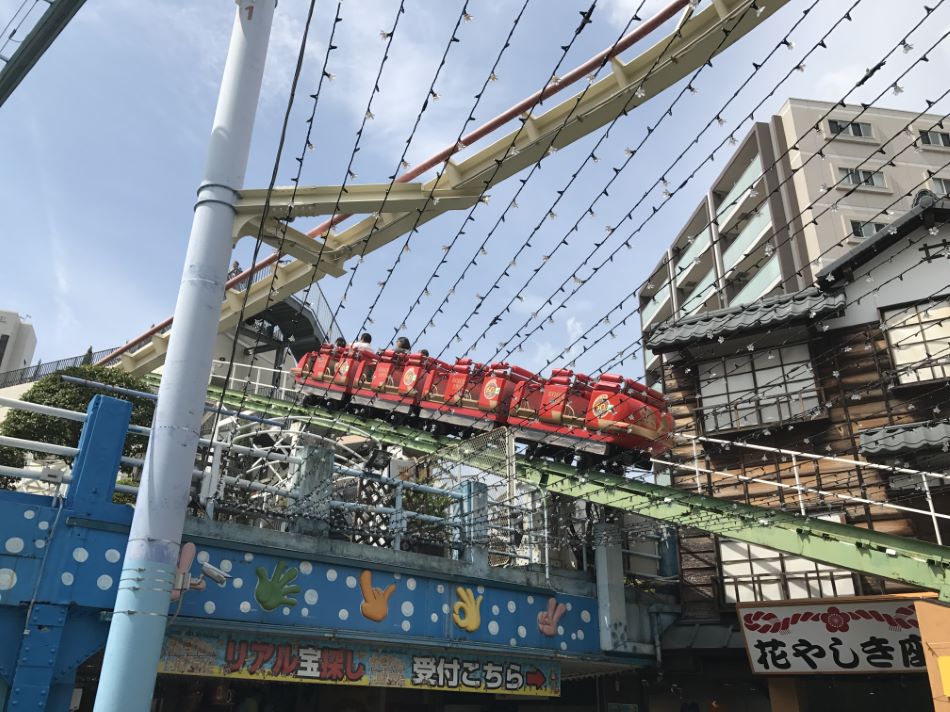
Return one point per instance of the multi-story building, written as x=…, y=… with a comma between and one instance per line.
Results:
x=17, y=341
x=828, y=402
x=800, y=190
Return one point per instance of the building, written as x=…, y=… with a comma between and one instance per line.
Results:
x=782, y=396
x=17, y=341
x=777, y=214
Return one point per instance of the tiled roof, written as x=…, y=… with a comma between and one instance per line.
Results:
x=911, y=437
x=808, y=303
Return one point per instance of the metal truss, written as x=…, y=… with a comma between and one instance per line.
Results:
x=845, y=546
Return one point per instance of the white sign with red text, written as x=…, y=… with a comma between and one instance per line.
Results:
x=834, y=636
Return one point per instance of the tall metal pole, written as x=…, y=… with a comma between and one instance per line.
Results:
x=148, y=571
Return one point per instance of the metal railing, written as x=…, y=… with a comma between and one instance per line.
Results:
x=28, y=374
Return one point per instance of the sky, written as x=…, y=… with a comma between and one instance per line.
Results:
x=102, y=147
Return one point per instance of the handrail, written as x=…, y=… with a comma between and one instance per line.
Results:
x=27, y=374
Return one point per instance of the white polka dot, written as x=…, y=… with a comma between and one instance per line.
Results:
x=209, y=607
x=112, y=556
x=580, y=635
x=245, y=607
x=80, y=554
x=522, y=631
x=568, y=605
x=305, y=612
x=397, y=576
x=7, y=579
x=331, y=574
x=39, y=543
x=344, y=614
x=512, y=606
x=286, y=611
x=407, y=608
x=310, y=596
x=512, y=642
x=203, y=557
x=563, y=645
x=104, y=582
x=493, y=627
x=66, y=578
x=480, y=589
x=560, y=630
x=411, y=584
x=29, y=514
x=573, y=636
x=44, y=525
x=434, y=617
x=306, y=567
x=14, y=545
x=440, y=588
x=237, y=583
x=530, y=600
x=585, y=616
x=445, y=609
x=351, y=582
x=225, y=565
x=406, y=625
x=495, y=610
x=248, y=556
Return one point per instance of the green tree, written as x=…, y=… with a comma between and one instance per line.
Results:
x=52, y=390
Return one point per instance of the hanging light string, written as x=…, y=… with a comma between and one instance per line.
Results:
x=628, y=242
x=513, y=202
x=462, y=17
x=542, y=322
x=716, y=119
x=552, y=81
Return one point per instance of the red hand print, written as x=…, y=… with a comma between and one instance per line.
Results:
x=547, y=620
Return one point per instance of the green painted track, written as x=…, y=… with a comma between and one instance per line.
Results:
x=891, y=557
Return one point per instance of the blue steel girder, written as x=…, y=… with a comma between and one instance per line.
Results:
x=861, y=550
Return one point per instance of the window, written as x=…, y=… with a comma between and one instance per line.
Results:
x=859, y=176
x=935, y=138
x=767, y=386
x=919, y=340
x=942, y=186
x=865, y=229
x=850, y=128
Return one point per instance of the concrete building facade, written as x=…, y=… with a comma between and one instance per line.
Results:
x=17, y=341
x=800, y=190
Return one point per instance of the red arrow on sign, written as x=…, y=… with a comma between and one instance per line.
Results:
x=535, y=678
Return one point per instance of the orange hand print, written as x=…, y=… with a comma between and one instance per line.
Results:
x=465, y=611
x=547, y=620
x=375, y=605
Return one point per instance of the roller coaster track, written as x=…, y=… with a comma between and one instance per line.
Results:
x=845, y=546
x=405, y=205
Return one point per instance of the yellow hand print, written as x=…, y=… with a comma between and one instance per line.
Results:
x=375, y=605
x=465, y=611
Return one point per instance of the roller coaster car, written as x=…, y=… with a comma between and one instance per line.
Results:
x=568, y=412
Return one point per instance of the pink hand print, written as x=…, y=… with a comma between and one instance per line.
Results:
x=183, y=582
x=547, y=620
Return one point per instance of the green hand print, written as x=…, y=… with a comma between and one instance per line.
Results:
x=276, y=590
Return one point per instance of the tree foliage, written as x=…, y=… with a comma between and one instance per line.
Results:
x=53, y=391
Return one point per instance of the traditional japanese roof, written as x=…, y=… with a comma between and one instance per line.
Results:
x=807, y=304
x=910, y=437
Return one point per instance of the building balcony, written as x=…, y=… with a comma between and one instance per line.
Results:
x=763, y=281
x=656, y=308
x=748, y=239
x=732, y=200
x=699, y=294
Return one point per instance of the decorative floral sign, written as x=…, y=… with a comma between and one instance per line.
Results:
x=283, y=659
x=836, y=636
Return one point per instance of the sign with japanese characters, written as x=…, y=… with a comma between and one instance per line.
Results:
x=835, y=636
x=260, y=657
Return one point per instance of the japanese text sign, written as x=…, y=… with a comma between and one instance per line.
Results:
x=252, y=656
x=832, y=637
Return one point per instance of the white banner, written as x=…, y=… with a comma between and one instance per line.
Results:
x=839, y=635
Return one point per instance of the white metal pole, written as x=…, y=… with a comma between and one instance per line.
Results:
x=148, y=571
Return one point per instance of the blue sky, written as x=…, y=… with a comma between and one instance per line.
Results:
x=102, y=146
